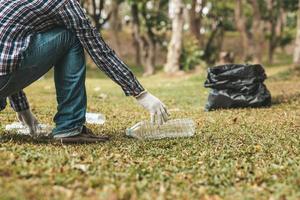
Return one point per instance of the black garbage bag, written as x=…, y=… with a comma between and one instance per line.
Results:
x=237, y=86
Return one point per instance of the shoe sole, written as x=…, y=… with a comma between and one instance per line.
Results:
x=81, y=140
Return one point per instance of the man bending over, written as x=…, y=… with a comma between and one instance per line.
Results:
x=36, y=35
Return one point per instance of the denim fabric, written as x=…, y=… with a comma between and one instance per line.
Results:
x=59, y=48
x=2, y=103
x=3, y=81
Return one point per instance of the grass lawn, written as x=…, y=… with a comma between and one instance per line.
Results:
x=236, y=154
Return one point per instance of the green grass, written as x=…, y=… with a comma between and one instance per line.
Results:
x=235, y=154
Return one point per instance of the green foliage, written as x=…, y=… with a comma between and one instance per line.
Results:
x=286, y=38
x=154, y=21
x=191, y=55
x=219, y=19
x=153, y=16
x=214, y=44
x=290, y=5
x=221, y=12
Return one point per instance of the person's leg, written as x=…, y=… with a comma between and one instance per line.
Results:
x=44, y=51
x=69, y=75
x=62, y=49
x=3, y=82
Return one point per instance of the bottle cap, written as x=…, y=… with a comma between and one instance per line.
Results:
x=129, y=132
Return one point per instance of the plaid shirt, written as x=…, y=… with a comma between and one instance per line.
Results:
x=20, y=20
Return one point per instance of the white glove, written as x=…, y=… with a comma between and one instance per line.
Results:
x=158, y=111
x=27, y=118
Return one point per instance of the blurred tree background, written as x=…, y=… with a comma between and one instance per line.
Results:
x=182, y=35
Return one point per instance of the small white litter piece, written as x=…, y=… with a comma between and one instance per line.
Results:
x=97, y=89
x=19, y=128
x=95, y=118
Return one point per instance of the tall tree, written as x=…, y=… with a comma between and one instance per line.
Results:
x=218, y=20
x=116, y=22
x=144, y=45
x=176, y=8
x=277, y=21
x=242, y=29
x=136, y=33
x=195, y=18
x=297, y=44
x=273, y=19
x=257, y=32
x=148, y=23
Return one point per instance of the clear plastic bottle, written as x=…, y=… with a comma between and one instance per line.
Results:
x=95, y=118
x=172, y=129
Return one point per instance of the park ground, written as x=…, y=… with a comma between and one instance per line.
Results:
x=235, y=154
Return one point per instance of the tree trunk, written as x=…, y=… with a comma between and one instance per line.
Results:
x=274, y=16
x=297, y=44
x=272, y=43
x=196, y=19
x=137, y=49
x=257, y=32
x=145, y=47
x=175, y=47
x=116, y=25
x=280, y=22
x=136, y=33
x=241, y=27
x=214, y=44
x=149, y=60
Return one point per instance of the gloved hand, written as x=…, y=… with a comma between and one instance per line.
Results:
x=158, y=111
x=27, y=118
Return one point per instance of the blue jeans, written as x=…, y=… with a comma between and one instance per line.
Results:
x=59, y=48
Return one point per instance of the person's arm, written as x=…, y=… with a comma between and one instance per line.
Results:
x=21, y=106
x=74, y=19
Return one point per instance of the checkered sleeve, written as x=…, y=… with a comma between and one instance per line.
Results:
x=19, y=101
x=105, y=58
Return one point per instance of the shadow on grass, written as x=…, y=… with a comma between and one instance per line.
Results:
x=46, y=140
x=283, y=75
x=13, y=137
x=285, y=98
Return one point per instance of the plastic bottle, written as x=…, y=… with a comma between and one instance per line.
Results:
x=95, y=118
x=172, y=129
